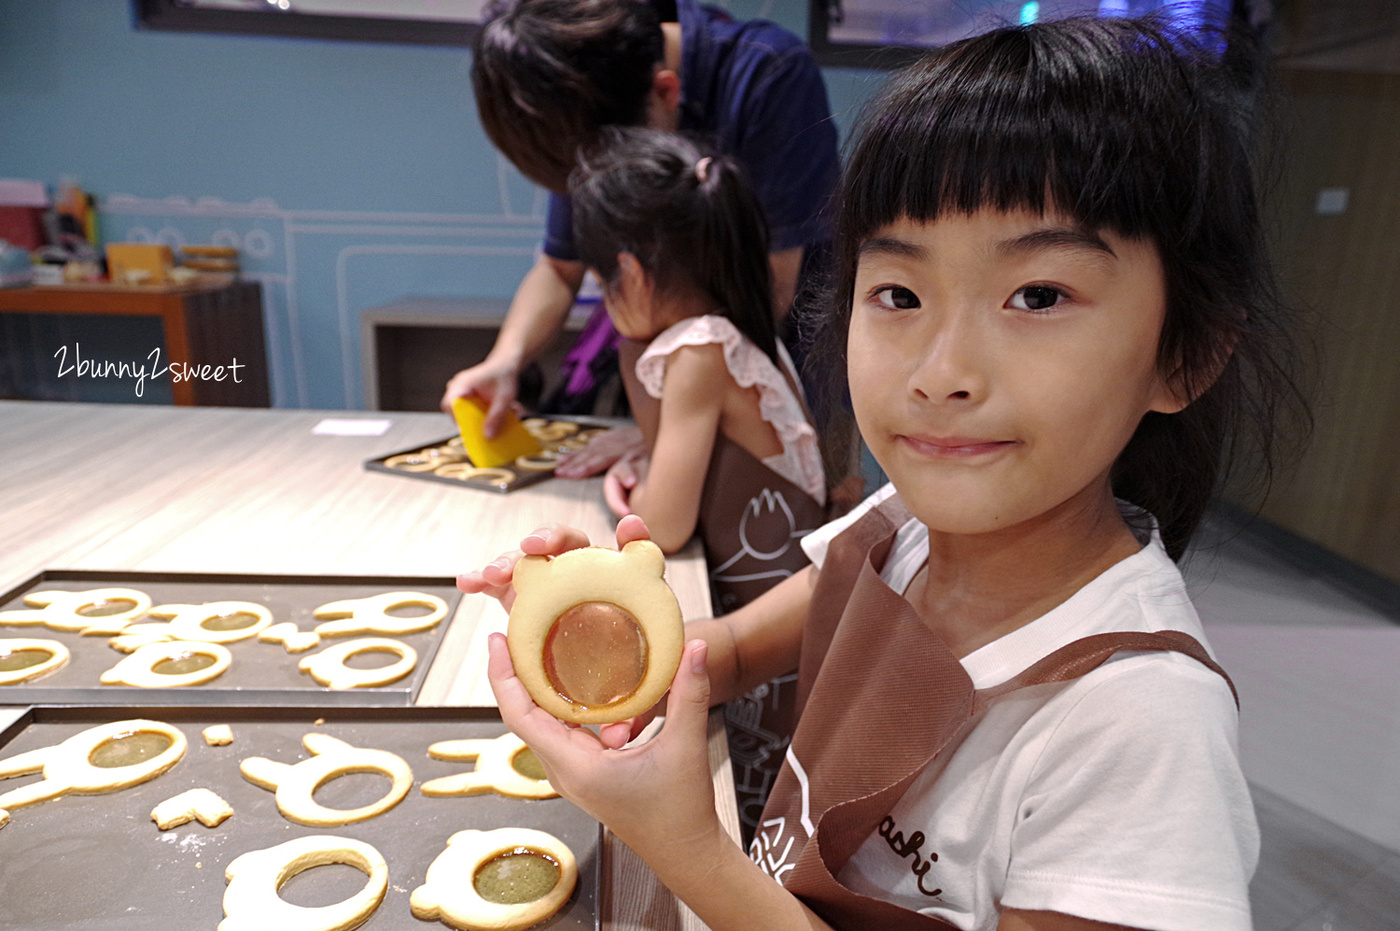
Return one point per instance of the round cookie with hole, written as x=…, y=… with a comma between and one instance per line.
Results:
x=595, y=634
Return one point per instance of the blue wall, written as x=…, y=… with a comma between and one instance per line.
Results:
x=349, y=174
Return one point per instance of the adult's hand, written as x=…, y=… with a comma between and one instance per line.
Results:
x=495, y=382
x=600, y=453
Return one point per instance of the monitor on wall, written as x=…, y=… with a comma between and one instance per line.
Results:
x=892, y=33
x=430, y=22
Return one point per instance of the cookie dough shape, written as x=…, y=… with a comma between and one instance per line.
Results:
x=496, y=769
x=62, y=610
x=546, y=459
x=68, y=768
x=139, y=669
x=328, y=667
x=251, y=902
x=202, y=805
x=595, y=634
x=294, y=784
x=193, y=622
x=292, y=639
x=371, y=615
x=473, y=906
x=465, y=472
x=218, y=735
x=20, y=662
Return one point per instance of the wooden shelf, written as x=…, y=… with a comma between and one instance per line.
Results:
x=212, y=324
x=410, y=348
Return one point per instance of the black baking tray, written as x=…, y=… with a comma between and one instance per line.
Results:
x=99, y=861
x=521, y=477
x=261, y=673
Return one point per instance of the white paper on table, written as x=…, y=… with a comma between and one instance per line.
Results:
x=342, y=427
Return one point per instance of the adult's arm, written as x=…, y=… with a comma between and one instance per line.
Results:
x=536, y=315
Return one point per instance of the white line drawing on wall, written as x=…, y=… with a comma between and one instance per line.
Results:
x=268, y=236
x=349, y=330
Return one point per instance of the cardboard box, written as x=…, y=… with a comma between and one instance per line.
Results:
x=139, y=263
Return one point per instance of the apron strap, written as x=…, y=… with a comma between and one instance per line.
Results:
x=1087, y=653
x=869, y=538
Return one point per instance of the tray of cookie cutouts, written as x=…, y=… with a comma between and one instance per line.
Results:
x=91, y=637
x=254, y=819
x=539, y=444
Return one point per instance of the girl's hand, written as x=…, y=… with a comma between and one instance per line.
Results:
x=657, y=797
x=496, y=577
x=622, y=478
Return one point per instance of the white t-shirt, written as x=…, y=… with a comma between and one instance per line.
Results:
x=1117, y=796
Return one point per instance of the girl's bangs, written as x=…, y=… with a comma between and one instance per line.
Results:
x=1029, y=122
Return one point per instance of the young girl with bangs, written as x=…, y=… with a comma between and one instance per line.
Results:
x=1058, y=329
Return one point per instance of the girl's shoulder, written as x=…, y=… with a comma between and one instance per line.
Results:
x=731, y=350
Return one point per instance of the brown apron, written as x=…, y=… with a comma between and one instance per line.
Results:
x=872, y=719
x=751, y=521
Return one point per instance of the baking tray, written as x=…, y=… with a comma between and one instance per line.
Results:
x=99, y=861
x=450, y=451
x=261, y=673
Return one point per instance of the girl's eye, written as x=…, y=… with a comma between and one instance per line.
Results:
x=1036, y=297
x=897, y=298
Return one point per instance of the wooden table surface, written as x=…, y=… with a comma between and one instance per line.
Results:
x=102, y=487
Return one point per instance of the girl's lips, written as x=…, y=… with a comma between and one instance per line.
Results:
x=960, y=447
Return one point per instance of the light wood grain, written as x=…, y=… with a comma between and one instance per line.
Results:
x=255, y=491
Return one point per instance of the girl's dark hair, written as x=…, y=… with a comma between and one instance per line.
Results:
x=639, y=191
x=548, y=74
x=1119, y=124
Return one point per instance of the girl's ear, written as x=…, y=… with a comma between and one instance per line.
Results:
x=1178, y=390
x=630, y=273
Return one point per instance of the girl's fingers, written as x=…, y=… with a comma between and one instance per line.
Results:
x=631, y=528
x=616, y=496
x=471, y=583
x=615, y=736
x=688, y=704
x=528, y=721
x=553, y=539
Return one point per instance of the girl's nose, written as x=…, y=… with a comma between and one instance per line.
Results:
x=951, y=367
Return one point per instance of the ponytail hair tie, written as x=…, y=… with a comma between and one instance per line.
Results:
x=702, y=169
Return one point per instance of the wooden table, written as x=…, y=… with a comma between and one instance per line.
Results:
x=213, y=325
x=88, y=486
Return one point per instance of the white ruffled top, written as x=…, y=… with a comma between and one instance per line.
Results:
x=800, y=462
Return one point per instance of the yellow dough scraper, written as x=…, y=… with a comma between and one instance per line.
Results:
x=509, y=443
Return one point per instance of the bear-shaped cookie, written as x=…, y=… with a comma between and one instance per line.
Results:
x=595, y=634
x=515, y=879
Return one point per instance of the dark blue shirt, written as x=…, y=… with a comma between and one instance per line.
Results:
x=754, y=91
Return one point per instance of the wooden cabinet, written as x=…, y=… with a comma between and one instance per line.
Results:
x=214, y=352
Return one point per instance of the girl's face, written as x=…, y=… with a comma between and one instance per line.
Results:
x=629, y=298
x=1000, y=362
x=638, y=309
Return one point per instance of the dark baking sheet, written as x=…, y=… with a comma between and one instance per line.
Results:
x=261, y=673
x=99, y=861
x=523, y=477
